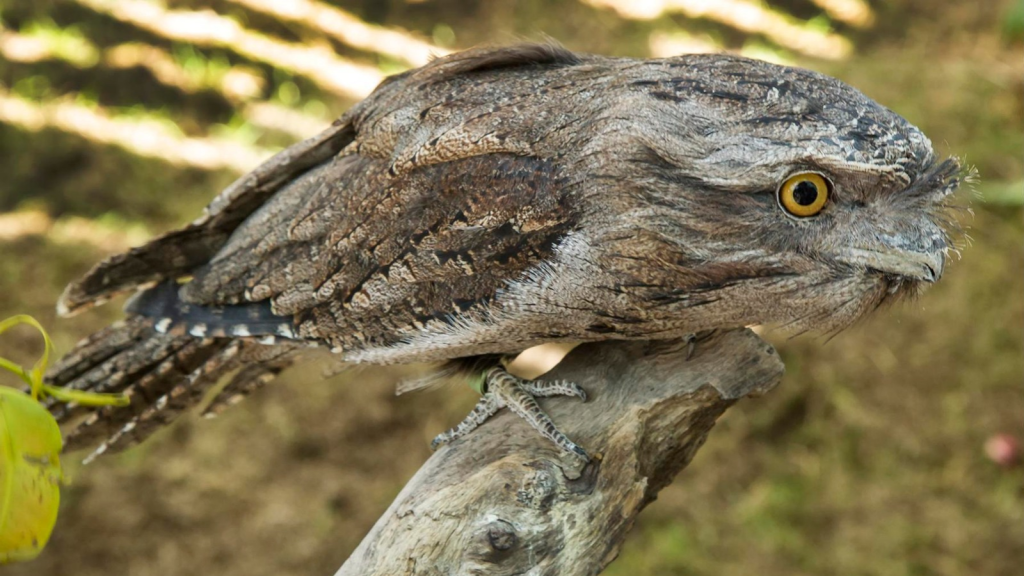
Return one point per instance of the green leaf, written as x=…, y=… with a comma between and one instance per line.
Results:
x=30, y=445
x=30, y=476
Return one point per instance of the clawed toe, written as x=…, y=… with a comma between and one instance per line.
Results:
x=545, y=389
x=503, y=390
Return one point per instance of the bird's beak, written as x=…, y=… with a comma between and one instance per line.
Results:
x=923, y=266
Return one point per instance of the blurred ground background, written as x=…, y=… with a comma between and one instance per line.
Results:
x=119, y=120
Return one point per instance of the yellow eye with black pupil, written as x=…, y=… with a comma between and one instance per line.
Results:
x=804, y=194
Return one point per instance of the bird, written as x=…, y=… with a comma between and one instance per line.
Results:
x=504, y=197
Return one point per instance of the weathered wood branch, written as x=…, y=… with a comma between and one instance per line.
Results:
x=504, y=501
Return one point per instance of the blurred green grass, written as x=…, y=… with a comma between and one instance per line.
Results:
x=867, y=460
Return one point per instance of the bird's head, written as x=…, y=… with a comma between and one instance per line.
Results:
x=819, y=202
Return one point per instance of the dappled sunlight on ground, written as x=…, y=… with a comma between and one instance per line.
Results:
x=206, y=28
x=745, y=15
x=348, y=29
x=143, y=137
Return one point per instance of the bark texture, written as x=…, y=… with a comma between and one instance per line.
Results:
x=503, y=500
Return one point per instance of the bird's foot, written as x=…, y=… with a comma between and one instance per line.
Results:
x=503, y=390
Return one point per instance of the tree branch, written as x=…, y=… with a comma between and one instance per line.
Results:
x=504, y=500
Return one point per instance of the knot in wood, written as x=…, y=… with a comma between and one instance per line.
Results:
x=501, y=535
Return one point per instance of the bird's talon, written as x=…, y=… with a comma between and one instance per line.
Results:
x=581, y=453
x=507, y=391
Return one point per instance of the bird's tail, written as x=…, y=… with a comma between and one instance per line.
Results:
x=162, y=374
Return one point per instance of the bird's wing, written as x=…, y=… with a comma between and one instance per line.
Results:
x=356, y=257
x=454, y=105
x=175, y=253
x=452, y=185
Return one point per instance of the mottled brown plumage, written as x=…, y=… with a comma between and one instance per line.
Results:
x=496, y=199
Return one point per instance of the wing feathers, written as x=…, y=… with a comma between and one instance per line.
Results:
x=176, y=253
x=357, y=252
x=171, y=315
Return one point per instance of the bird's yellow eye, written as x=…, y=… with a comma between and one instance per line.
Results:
x=804, y=194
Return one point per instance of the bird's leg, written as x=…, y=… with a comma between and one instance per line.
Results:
x=503, y=390
x=487, y=406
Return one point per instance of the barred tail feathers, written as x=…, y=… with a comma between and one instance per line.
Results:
x=162, y=374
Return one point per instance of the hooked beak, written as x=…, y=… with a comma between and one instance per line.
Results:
x=911, y=265
x=912, y=247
